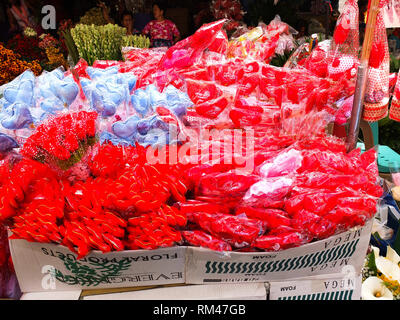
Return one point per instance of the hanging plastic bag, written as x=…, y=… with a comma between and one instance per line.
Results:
x=377, y=92
x=394, y=113
x=343, y=54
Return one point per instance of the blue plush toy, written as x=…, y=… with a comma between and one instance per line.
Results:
x=146, y=127
x=126, y=129
x=107, y=89
x=20, y=92
x=141, y=102
x=109, y=137
x=96, y=73
x=65, y=90
x=17, y=116
x=7, y=143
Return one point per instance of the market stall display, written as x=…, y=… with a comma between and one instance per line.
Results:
x=276, y=206
x=117, y=156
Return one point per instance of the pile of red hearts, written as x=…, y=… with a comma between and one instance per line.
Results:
x=234, y=92
x=299, y=190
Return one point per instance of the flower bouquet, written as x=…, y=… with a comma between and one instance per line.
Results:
x=98, y=42
x=11, y=65
x=52, y=47
x=27, y=47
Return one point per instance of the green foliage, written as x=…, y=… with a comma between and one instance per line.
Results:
x=394, y=64
x=93, y=16
x=371, y=263
x=98, y=42
x=70, y=44
x=389, y=133
x=136, y=41
x=280, y=60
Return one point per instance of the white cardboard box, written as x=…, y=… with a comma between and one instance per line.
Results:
x=328, y=287
x=327, y=256
x=51, y=295
x=49, y=267
x=239, y=291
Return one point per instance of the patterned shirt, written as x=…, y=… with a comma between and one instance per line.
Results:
x=165, y=30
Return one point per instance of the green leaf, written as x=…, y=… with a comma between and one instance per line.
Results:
x=371, y=263
x=396, y=244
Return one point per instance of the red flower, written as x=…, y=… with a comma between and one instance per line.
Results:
x=59, y=138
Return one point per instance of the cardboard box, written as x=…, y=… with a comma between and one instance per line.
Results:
x=327, y=256
x=329, y=287
x=51, y=295
x=241, y=291
x=50, y=267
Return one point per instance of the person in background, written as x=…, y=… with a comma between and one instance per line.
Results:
x=127, y=20
x=302, y=31
x=20, y=17
x=162, y=32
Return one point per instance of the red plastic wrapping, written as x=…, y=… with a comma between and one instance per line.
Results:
x=280, y=242
x=238, y=231
x=201, y=239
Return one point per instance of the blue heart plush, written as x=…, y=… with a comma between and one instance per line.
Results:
x=172, y=93
x=66, y=90
x=126, y=129
x=107, y=97
x=141, y=102
x=104, y=108
x=155, y=138
x=39, y=115
x=87, y=87
x=158, y=99
x=177, y=101
x=51, y=105
x=7, y=143
x=127, y=78
x=18, y=117
x=95, y=73
x=178, y=109
x=23, y=92
x=4, y=103
x=109, y=137
x=144, y=126
x=58, y=73
x=28, y=75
